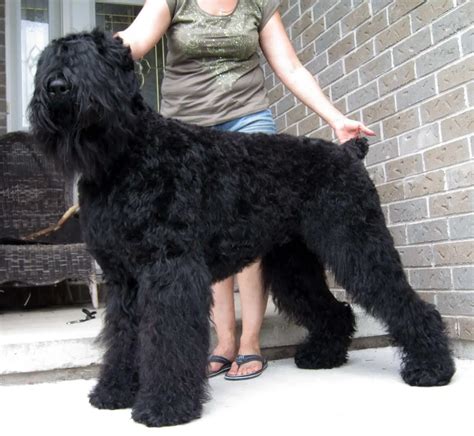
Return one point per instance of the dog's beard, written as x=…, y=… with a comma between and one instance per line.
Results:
x=81, y=134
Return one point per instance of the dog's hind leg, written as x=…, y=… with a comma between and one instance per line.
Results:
x=297, y=281
x=356, y=245
x=118, y=379
x=174, y=342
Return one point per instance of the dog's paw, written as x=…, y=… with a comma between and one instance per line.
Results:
x=436, y=372
x=111, y=399
x=319, y=355
x=162, y=417
x=306, y=358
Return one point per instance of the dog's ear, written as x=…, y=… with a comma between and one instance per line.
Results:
x=358, y=147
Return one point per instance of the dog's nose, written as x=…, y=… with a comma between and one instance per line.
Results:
x=58, y=86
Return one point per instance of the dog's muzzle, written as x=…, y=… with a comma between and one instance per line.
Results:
x=58, y=87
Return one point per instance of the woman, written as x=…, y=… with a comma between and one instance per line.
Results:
x=213, y=78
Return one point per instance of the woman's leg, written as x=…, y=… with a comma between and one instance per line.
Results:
x=223, y=317
x=253, y=302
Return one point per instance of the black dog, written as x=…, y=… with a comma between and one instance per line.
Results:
x=169, y=208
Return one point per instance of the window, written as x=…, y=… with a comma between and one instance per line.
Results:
x=34, y=36
x=116, y=17
x=31, y=24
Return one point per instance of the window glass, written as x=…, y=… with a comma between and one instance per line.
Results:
x=34, y=30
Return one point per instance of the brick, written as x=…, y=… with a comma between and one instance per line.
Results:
x=269, y=82
x=345, y=85
x=453, y=22
x=461, y=227
x=430, y=278
x=291, y=130
x=328, y=38
x=377, y=174
x=358, y=16
x=403, y=167
x=324, y=132
x=470, y=93
x=456, y=303
x=392, y=35
x=456, y=74
x=330, y=74
x=342, y=8
x=376, y=67
x=389, y=192
x=428, y=296
x=308, y=124
x=275, y=94
x=458, y=125
x=312, y=32
x=362, y=96
x=428, y=12
x=401, y=8
x=446, y=155
x=340, y=105
x=438, y=57
x=319, y=63
x=338, y=50
x=466, y=328
x=467, y=42
x=296, y=114
x=401, y=122
x=306, y=4
x=410, y=210
x=301, y=24
x=378, y=5
x=399, y=234
x=397, y=78
x=306, y=54
x=322, y=6
x=442, y=106
x=418, y=91
x=452, y=203
x=280, y=123
x=359, y=56
x=382, y=151
x=463, y=277
x=421, y=255
x=371, y=27
x=427, y=231
x=290, y=16
x=424, y=184
x=460, y=176
x=411, y=46
x=419, y=139
x=285, y=104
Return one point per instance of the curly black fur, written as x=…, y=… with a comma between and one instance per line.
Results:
x=167, y=208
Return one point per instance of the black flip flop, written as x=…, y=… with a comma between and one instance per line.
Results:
x=245, y=358
x=226, y=364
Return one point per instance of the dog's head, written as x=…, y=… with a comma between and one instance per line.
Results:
x=86, y=97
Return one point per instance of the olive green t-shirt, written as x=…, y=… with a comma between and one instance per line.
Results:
x=212, y=72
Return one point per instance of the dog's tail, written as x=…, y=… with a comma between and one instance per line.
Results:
x=357, y=147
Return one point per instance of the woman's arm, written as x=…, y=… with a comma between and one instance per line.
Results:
x=148, y=27
x=281, y=56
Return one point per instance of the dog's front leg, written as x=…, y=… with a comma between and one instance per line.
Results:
x=175, y=297
x=118, y=379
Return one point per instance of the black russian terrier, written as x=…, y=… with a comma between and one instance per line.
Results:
x=168, y=208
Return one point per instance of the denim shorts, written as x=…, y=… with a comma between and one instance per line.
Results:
x=258, y=122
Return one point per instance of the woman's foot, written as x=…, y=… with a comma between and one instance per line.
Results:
x=249, y=367
x=226, y=351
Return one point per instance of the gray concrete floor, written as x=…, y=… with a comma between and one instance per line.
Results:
x=366, y=397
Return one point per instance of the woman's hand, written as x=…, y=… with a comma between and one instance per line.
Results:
x=346, y=129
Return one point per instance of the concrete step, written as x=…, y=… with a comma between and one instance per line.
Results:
x=43, y=341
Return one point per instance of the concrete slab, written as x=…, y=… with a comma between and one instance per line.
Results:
x=42, y=340
x=364, y=397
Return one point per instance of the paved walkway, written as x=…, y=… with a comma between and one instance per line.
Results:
x=364, y=397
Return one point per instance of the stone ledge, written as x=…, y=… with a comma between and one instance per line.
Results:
x=42, y=341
